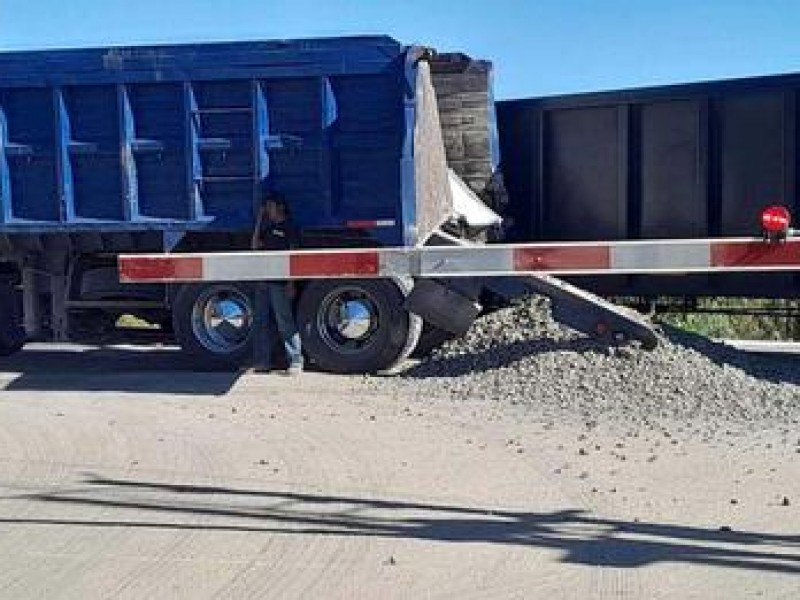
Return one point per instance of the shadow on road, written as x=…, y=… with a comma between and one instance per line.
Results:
x=580, y=537
x=115, y=369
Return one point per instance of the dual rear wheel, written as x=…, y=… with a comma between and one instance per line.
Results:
x=347, y=326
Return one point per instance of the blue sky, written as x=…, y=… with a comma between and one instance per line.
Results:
x=538, y=47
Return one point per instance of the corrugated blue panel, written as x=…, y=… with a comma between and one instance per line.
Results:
x=190, y=136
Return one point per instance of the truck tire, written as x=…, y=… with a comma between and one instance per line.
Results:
x=213, y=323
x=431, y=338
x=12, y=334
x=356, y=326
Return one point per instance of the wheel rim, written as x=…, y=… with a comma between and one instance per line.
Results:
x=222, y=319
x=347, y=320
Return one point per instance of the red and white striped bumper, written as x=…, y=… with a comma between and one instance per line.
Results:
x=584, y=258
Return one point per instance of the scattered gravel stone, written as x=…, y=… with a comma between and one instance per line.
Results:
x=519, y=355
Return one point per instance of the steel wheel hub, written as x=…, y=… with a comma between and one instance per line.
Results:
x=355, y=319
x=347, y=320
x=222, y=319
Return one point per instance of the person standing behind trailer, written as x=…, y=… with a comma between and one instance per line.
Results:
x=275, y=230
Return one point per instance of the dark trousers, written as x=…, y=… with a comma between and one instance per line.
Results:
x=284, y=319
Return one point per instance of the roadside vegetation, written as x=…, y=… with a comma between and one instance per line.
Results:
x=714, y=319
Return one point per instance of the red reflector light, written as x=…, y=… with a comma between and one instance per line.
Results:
x=776, y=220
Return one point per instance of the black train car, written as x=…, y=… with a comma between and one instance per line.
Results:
x=684, y=161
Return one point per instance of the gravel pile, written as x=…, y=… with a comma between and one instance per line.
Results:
x=521, y=356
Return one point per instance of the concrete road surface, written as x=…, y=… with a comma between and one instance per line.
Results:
x=124, y=474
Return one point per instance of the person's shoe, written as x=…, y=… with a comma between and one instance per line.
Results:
x=294, y=370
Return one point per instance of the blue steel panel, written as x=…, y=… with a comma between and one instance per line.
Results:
x=66, y=197
x=95, y=152
x=31, y=125
x=330, y=106
x=188, y=137
x=241, y=60
x=225, y=123
x=129, y=175
x=368, y=144
x=194, y=171
x=160, y=116
x=408, y=190
x=5, y=175
x=330, y=171
x=222, y=96
x=261, y=133
x=295, y=110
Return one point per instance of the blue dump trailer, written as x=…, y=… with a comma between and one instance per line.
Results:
x=173, y=148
